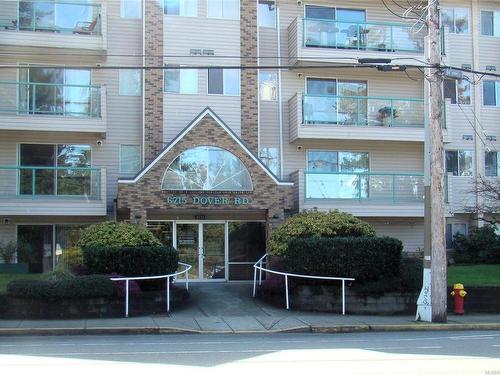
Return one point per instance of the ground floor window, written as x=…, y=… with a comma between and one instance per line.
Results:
x=451, y=230
x=223, y=250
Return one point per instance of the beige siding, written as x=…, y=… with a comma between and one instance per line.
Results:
x=409, y=231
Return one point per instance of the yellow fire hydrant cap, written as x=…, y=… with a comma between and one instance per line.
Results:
x=458, y=286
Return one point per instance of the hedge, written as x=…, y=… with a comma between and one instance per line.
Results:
x=366, y=259
x=481, y=246
x=131, y=261
x=112, y=233
x=317, y=223
x=81, y=287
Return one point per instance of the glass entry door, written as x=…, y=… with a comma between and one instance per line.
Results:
x=203, y=246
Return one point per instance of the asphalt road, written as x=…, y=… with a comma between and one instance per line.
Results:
x=471, y=352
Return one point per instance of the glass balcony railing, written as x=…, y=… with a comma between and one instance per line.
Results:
x=375, y=36
x=377, y=187
x=30, y=98
x=362, y=110
x=69, y=17
x=50, y=182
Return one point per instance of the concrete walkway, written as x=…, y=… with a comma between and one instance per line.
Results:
x=229, y=308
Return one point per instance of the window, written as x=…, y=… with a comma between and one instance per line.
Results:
x=181, y=81
x=490, y=23
x=131, y=9
x=459, y=163
x=456, y=19
x=337, y=175
x=130, y=158
x=452, y=230
x=267, y=13
x=319, y=12
x=186, y=8
x=491, y=93
x=207, y=168
x=73, y=176
x=269, y=156
x=268, y=82
x=130, y=82
x=229, y=9
x=457, y=91
x=224, y=81
x=491, y=164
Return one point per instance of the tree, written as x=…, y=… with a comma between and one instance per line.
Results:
x=487, y=193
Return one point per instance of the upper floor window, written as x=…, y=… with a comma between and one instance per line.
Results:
x=456, y=19
x=187, y=8
x=268, y=82
x=130, y=82
x=490, y=23
x=130, y=158
x=457, y=90
x=57, y=91
x=181, y=81
x=131, y=9
x=207, y=168
x=267, y=13
x=491, y=93
x=459, y=163
x=224, y=81
x=492, y=163
x=337, y=161
x=269, y=156
x=229, y=9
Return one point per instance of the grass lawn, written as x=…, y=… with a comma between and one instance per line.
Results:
x=475, y=275
x=5, y=278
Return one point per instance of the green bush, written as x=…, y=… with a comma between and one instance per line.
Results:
x=364, y=258
x=131, y=261
x=8, y=252
x=481, y=246
x=316, y=223
x=117, y=234
x=81, y=287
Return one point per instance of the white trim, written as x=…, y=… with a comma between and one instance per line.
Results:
x=206, y=112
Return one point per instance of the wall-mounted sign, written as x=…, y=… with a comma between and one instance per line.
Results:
x=208, y=200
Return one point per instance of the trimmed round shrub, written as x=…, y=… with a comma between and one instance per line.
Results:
x=366, y=259
x=111, y=233
x=316, y=223
x=131, y=261
x=81, y=287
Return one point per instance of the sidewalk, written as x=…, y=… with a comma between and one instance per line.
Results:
x=229, y=308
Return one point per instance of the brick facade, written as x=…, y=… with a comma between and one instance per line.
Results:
x=153, y=80
x=249, y=77
x=146, y=194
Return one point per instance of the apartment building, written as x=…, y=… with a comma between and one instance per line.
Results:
x=212, y=158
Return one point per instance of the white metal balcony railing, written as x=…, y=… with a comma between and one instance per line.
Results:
x=64, y=17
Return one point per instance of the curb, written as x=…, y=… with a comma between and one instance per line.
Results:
x=313, y=329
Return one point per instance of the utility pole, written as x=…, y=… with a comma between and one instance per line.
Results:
x=436, y=169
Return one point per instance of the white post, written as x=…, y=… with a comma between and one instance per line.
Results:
x=168, y=294
x=254, y=280
x=187, y=280
x=260, y=273
x=126, y=298
x=343, y=297
x=286, y=290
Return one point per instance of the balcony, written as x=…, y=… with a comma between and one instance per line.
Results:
x=324, y=40
x=356, y=118
x=68, y=191
x=362, y=194
x=53, y=24
x=52, y=107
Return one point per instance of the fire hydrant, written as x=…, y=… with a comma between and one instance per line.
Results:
x=458, y=293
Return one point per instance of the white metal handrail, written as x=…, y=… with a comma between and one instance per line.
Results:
x=187, y=267
x=258, y=266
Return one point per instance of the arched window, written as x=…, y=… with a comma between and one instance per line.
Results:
x=207, y=168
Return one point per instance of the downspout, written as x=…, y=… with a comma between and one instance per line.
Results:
x=258, y=81
x=143, y=79
x=280, y=102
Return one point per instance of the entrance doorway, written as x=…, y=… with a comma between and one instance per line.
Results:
x=38, y=240
x=204, y=246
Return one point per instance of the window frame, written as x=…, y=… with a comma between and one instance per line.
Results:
x=496, y=98
x=276, y=85
x=120, y=85
x=338, y=152
x=365, y=10
x=454, y=20
x=266, y=157
x=181, y=14
x=493, y=24
x=120, y=158
x=453, y=233
x=223, y=86
x=176, y=67
x=458, y=163
x=497, y=169
x=258, y=14
x=122, y=7
x=457, y=83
